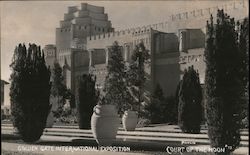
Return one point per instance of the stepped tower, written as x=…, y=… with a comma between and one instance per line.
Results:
x=71, y=39
x=78, y=23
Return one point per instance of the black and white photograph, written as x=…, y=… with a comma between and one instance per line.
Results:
x=124, y=77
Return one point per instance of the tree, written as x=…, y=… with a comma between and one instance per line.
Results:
x=244, y=70
x=190, y=97
x=223, y=83
x=88, y=97
x=136, y=75
x=115, y=88
x=59, y=91
x=58, y=88
x=29, y=92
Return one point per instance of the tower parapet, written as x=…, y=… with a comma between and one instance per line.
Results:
x=190, y=19
x=121, y=33
x=199, y=13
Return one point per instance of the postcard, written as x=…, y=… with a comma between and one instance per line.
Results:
x=124, y=77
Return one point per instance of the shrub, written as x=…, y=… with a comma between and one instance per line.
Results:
x=171, y=112
x=68, y=116
x=88, y=97
x=155, y=108
x=223, y=83
x=3, y=116
x=29, y=92
x=142, y=122
x=244, y=69
x=190, y=97
x=161, y=109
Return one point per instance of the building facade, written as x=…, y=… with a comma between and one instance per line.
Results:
x=85, y=36
x=5, y=98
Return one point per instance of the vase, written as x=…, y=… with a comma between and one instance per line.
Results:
x=104, y=124
x=129, y=120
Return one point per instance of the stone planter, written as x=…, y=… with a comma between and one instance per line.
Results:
x=104, y=124
x=129, y=120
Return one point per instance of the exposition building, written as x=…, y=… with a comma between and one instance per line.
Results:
x=85, y=35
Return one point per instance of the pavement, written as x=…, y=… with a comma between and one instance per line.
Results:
x=145, y=140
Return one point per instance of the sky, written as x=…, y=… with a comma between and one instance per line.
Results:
x=36, y=21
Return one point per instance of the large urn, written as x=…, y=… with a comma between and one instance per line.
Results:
x=104, y=124
x=129, y=120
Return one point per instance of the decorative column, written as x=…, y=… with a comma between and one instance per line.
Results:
x=126, y=52
x=183, y=40
x=90, y=58
x=107, y=55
